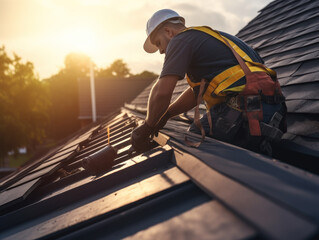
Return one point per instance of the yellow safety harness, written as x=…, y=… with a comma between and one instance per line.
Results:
x=259, y=80
x=219, y=85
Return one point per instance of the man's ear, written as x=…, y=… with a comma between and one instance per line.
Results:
x=169, y=31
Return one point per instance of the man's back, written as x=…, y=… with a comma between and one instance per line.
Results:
x=201, y=55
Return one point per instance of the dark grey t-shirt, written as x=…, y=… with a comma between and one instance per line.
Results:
x=201, y=56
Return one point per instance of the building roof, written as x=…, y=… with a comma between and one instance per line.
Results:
x=216, y=191
x=286, y=35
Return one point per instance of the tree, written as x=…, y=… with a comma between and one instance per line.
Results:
x=146, y=74
x=120, y=69
x=77, y=63
x=23, y=104
x=63, y=93
x=117, y=69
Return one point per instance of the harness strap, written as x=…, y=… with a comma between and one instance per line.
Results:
x=217, y=35
x=197, y=118
x=253, y=115
x=234, y=47
x=277, y=98
x=219, y=86
x=239, y=59
x=210, y=122
x=251, y=92
x=228, y=77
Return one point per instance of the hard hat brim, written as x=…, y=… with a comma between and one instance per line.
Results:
x=148, y=46
x=151, y=26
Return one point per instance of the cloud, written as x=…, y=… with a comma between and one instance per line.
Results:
x=196, y=16
x=225, y=15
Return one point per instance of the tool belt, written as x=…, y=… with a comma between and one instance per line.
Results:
x=260, y=86
x=270, y=130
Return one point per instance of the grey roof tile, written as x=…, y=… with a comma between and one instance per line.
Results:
x=307, y=91
x=286, y=34
x=303, y=106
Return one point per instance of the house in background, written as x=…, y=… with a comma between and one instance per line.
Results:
x=216, y=191
x=110, y=94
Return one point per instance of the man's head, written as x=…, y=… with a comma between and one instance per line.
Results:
x=160, y=28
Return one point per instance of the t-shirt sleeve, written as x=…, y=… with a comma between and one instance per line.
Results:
x=177, y=58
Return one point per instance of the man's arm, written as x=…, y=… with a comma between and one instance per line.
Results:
x=160, y=98
x=185, y=102
x=158, y=103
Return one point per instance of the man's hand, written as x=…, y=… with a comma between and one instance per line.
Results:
x=140, y=137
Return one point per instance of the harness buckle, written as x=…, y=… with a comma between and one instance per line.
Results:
x=271, y=130
x=275, y=120
x=234, y=102
x=253, y=103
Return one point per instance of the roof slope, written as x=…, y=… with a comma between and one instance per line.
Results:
x=286, y=35
x=171, y=190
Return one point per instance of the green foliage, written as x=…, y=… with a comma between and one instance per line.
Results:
x=23, y=104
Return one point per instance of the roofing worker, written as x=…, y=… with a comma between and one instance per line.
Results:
x=245, y=103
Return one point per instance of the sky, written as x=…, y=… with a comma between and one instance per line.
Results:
x=45, y=31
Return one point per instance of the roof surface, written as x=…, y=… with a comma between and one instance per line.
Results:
x=286, y=35
x=216, y=191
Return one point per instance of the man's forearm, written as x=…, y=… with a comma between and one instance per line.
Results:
x=160, y=98
x=185, y=102
x=157, y=106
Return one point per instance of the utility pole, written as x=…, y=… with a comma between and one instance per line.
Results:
x=92, y=93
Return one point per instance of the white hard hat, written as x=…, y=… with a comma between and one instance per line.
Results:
x=157, y=18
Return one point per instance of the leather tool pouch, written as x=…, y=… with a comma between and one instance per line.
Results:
x=226, y=122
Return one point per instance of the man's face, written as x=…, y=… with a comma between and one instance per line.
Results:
x=160, y=39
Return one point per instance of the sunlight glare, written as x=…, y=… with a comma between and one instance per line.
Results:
x=79, y=40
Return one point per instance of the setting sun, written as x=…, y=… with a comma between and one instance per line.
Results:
x=79, y=40
x=45, y=31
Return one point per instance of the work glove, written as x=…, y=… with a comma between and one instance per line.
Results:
x=162, y=122
x=140, y=137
